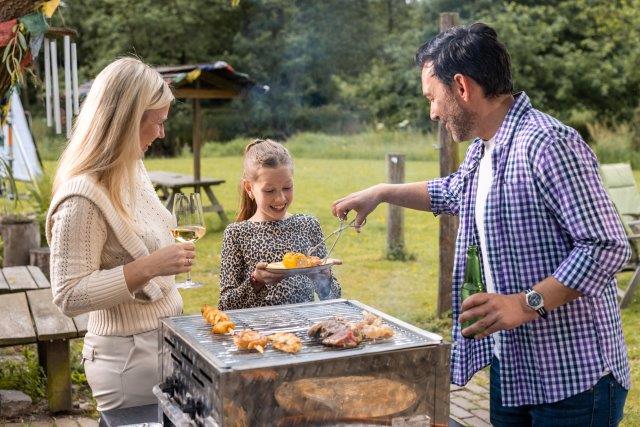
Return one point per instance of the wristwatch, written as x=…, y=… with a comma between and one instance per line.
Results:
x=535, y=301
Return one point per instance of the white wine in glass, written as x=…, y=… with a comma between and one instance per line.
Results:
x=190, y=226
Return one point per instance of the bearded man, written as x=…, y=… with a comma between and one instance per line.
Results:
x=529, y=195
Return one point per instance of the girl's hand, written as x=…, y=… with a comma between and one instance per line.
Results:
x=262, y=275
x=333, y=261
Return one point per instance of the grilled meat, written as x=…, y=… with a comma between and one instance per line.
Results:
x=285, y=341
x=329, y=327
x=250, y=340
x=344, y=338
x=335, y=332
x=220, y=323
x=339, y=332
x=372, y=328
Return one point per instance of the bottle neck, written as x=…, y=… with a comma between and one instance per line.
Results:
x=472, y=274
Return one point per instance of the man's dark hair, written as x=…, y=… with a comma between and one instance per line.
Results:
x=473, y=51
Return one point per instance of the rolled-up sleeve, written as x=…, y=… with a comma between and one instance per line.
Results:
x=444, y=194
x=571, y=187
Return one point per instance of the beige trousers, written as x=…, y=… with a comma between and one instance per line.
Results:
x=121, y=370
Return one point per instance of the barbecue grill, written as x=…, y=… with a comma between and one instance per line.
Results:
x=206, y=381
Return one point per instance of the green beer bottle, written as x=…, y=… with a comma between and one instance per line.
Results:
x=472, y=280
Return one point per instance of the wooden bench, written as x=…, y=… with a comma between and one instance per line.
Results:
x=28, y=316
x=170, y=183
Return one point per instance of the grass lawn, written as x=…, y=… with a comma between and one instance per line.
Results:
x=406, y=290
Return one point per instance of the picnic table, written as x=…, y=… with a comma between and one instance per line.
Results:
x=28, y=316
x=170, y=183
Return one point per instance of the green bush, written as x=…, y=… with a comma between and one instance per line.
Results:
x=28, y=377
x=614, y=144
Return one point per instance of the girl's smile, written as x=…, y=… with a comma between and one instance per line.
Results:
x=273, y=192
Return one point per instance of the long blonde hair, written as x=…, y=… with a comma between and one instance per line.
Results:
x=105, y=143
x=260, y=153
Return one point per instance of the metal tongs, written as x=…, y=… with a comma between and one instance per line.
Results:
x=343, y=226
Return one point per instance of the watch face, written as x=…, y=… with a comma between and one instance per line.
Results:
x=534, y=299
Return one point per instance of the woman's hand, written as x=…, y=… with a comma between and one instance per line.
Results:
x=173, y=259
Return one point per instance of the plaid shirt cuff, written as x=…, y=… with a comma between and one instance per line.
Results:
x=436, y=196
x=581, y=272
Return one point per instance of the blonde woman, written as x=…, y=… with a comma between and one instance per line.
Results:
x=112, y=254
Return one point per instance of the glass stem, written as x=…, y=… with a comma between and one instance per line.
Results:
x=189, y=276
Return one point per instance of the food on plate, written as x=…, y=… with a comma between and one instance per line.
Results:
x=220, y=323
x=250, y=340
x=336, y=332
x=285, y=341
x=299, y=260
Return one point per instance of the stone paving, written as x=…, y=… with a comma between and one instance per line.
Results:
x=470, y=404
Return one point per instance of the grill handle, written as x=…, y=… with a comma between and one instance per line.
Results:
x=168, y=408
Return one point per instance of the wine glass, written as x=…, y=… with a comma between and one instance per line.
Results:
x=190, y=226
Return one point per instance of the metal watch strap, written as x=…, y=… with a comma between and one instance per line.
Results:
x=541, y=310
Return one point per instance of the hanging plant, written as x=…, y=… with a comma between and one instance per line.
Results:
x=14, y=53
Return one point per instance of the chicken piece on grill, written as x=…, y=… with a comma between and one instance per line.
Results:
x=285, y=341
x=335, y=332
x=375, y=332
x=372, y=328
x=220, y=323
x=250, y=340
x=223, y=327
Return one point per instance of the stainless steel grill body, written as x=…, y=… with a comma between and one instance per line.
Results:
x=216, y=384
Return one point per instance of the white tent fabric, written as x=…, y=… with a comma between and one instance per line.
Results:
x=26, y=166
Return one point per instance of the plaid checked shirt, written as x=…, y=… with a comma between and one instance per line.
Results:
x=547, y=214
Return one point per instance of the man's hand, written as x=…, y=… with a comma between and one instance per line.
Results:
x=496, y=313
x=363, y=202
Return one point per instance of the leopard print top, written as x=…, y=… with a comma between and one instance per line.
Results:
x=246, y=243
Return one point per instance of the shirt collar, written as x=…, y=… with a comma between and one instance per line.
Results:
x=520, y=106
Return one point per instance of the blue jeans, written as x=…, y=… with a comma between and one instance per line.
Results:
x=601, y=405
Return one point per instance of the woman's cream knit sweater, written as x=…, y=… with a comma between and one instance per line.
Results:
x=90, y=243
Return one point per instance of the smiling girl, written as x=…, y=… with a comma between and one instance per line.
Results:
x=264, y=231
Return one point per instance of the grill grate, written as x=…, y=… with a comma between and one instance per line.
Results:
x=296, y=319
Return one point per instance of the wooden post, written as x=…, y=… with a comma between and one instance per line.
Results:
x=54, y=357
x=448, y=224
x=40, y=257
x=395, y=217
x=197, y=142
x=18, y=239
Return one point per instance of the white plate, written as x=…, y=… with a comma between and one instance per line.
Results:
x=278, y=267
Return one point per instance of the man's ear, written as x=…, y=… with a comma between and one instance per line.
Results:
x=462, y=86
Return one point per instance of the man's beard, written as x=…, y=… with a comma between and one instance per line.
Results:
x=461, y=122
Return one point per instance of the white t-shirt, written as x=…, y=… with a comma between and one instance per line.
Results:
x=485, y=179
